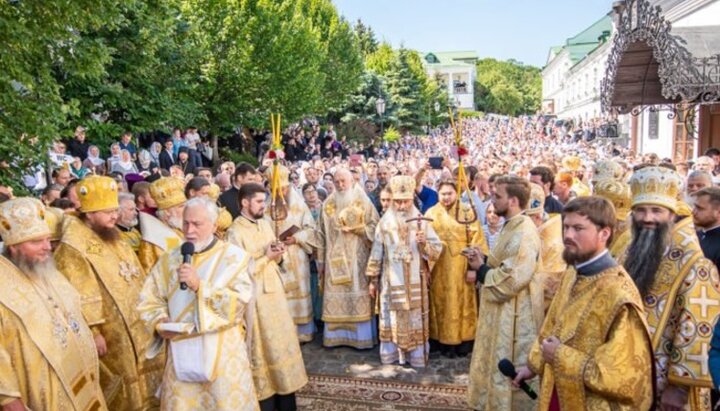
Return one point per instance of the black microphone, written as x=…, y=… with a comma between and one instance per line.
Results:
x=187, y=251
x=508, y=369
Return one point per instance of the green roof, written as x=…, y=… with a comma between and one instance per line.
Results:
x=450, y=58
x=583, y=43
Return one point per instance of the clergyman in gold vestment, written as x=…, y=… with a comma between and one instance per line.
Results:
x=204, y=325
x=593, y=351
x=679, y=287
x=48, y=359
x=108, y=275
x=346, y=230
x=276, y=360
x=453, y=296
x=511, y=302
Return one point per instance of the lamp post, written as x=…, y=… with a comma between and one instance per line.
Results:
x=380, y=107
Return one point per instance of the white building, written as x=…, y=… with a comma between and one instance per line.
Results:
x=457, y=72
x=571, y=78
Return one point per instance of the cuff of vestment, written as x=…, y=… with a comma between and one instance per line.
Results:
x=569, y=362
x=5, y=400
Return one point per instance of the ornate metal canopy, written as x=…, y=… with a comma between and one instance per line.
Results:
x=650, y=65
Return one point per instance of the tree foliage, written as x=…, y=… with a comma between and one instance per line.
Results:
x=144, y=65
x=507, y=87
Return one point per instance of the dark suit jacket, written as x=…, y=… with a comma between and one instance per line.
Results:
x=710, y=244
x=229, y=200
x=166, y=160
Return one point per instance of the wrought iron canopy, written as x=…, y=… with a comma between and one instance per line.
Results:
x=651, y=65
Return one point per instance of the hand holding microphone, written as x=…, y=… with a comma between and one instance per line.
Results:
x=185, y=270
x=508, y=369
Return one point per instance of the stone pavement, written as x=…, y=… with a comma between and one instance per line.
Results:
x=349, y=362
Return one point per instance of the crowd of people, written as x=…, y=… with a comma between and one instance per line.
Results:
x=154, y=278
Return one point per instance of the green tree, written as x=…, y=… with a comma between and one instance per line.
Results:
x=507, y=87
x=39, y=38
x=381, y=60
x=406, y=88
x=361, y=105
x=149, y=80
x=366, y=38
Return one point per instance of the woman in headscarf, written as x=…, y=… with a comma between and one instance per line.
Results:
x=93, y=162
x=125, y=165
x=155, y=150
x=144, y=163
x=77, y=168
x=114, y=156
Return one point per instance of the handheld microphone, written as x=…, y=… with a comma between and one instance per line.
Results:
x=187, y=250
x=508, y=369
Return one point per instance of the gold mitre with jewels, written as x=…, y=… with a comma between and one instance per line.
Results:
x=618, y=193
x=22, y=219
x=168, y=192
x=97, y=193
x=655, y=186
x=536, y=205
x=607, y=169
x=402, y=187
x=283, y=172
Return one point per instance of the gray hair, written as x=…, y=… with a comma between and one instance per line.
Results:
x=698, y=174
x=125, y=196
x=212, y=210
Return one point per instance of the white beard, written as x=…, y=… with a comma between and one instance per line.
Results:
x=343, y=198
x=175, y=222
x=201, y=246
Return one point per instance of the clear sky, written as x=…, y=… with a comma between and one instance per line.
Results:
x=519, y=29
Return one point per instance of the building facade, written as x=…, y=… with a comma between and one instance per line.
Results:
x=457, y=72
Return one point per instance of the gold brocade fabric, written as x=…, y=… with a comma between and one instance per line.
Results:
x=109, y=279
x=605, y=359
x=148, y=254
x=345, y=257
x=402, y=267
x=47, y=356
x=552, y=265
x=276, y=360
x=133, y=238
x=620, y=243
x=453, y=302
x=296, y=261
x=511, y=313
x=218, y=309
x=681, y=332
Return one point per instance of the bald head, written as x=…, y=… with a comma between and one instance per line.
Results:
x=343, y=180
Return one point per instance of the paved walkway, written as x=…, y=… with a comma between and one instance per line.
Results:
x=349, y=362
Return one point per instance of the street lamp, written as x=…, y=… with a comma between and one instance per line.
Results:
x=380, y=107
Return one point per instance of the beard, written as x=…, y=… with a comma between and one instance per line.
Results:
x=343, y=198
x=175, y=222
x=575, y=258
x=33, y=268
x=645, y=253
x=107, y=234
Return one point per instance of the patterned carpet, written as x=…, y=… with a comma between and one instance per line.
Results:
x=339, y=393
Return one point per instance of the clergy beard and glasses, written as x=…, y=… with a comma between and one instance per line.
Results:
x=203, y=326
